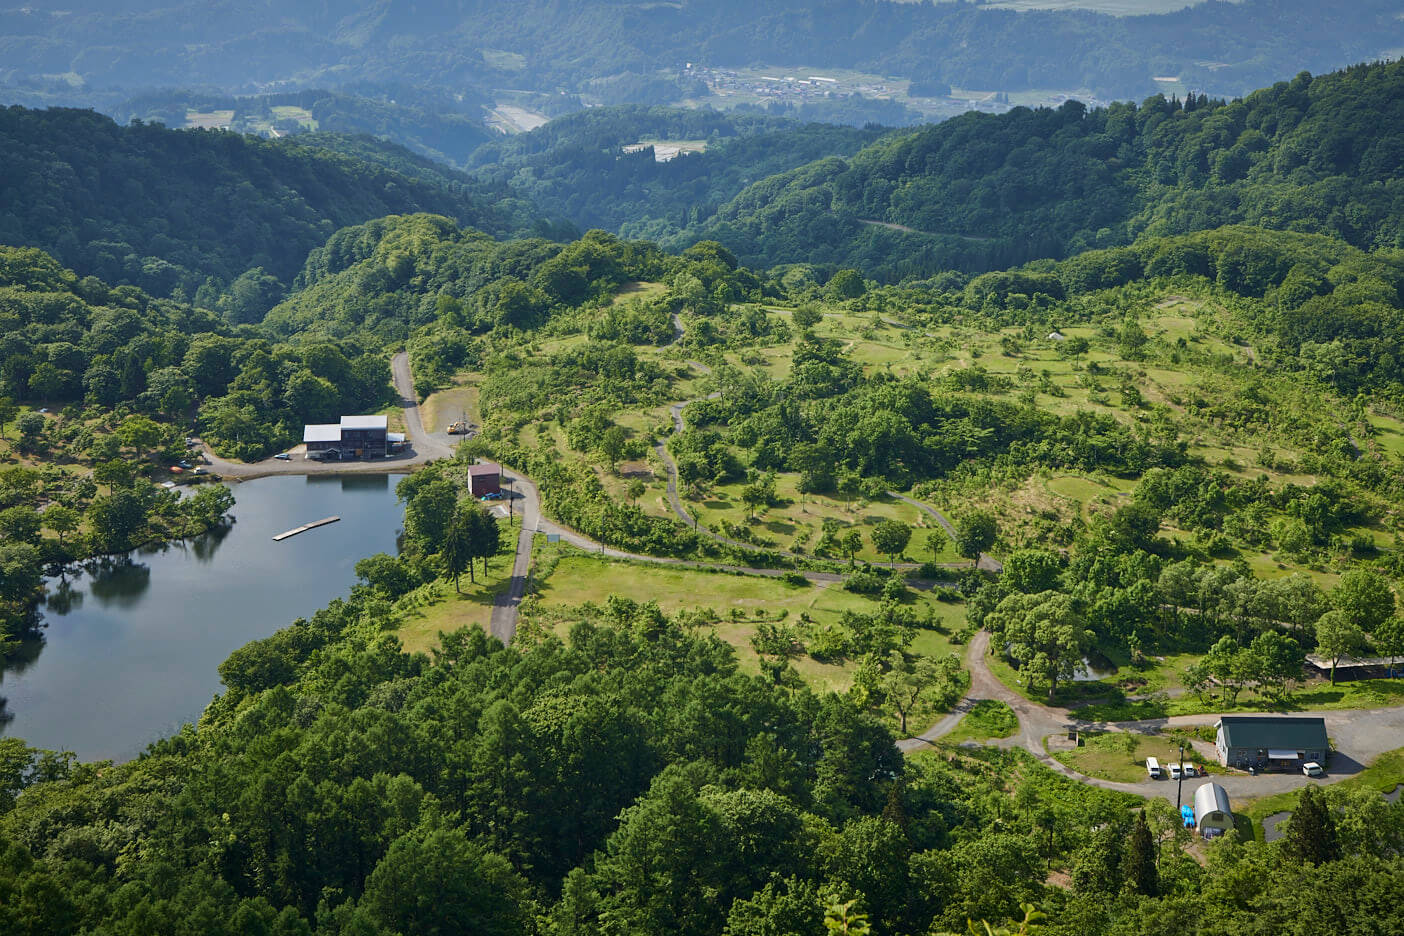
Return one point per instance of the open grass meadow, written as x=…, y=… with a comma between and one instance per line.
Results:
x=569, y=580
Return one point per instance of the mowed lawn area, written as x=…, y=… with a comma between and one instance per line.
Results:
x=1121, y=756
x=441, y=610
x=577, y=578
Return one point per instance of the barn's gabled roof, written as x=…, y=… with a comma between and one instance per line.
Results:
x=1274, y=731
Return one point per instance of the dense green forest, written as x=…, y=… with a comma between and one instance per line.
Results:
x=575, y=167
x=629, y=780
x=985, y=192
x=630, y=52
x=175, y=213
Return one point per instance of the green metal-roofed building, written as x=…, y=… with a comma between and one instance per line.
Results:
x=1271, y=742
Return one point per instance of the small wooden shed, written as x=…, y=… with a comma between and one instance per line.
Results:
x=485, y=478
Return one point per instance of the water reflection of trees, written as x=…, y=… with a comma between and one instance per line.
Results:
x=62, y=598
x=204, y=546
x=21, y=657
x=118, y=582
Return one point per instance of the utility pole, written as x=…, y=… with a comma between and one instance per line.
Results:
x=1180, y=780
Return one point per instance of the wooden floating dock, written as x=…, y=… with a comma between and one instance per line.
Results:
x=304, y=528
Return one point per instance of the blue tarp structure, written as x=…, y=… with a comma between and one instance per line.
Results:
x=1187, y=816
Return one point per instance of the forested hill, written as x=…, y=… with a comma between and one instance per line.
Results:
x=177, y=211
x=983, y=191
x=547, y=46
x=576, y=167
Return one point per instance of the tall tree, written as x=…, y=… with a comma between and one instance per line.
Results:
x=486, y=535
x=1364, y=597
x=1337, y=636
x=1045, y=634
x=975, y=533
x=1311, y=830
x=456, y=547
x=1389, y=639
x=1138, y=862
x=910, y=683
x=8, y=409
x=851, y=543
x=62, y=519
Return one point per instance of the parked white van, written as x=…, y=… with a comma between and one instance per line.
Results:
x=1153, y=768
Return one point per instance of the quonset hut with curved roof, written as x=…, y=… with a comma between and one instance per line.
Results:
x=1212, y=815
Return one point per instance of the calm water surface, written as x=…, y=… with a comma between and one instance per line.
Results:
x=131, y=650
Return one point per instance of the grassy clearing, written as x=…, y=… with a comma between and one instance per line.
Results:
x=796, y=522
x=1088, y=491
x=507, y=61
x=639, y=290
x=445, y=611
x=1389, y=434
x=988, y=720
x=570, y=578
x=1107, y=756
x=447, y=406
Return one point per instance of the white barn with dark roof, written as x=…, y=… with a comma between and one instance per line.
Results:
x=1271, y=742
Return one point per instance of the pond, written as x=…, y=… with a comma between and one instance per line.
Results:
x=131, y=646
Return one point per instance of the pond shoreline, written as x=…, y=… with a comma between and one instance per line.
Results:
x=130, y=643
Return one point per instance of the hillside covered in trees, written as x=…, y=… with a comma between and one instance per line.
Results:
x=188, y=213
x=984, y=192
x=1226, y=48
x=575, y=167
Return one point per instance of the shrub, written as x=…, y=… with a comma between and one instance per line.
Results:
x=865, y=582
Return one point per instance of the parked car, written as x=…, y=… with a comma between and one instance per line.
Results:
x=495, y=495
x=283, y=456
x=1175, y=772
x=1191, y=770
x=1153, y=768
x=1313, y=769
x=184, y=464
